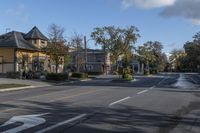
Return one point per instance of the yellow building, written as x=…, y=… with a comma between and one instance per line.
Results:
x=22, y=52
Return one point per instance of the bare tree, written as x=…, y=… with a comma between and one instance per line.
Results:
x=78, y=45
x=55, y=33
x=56, y=48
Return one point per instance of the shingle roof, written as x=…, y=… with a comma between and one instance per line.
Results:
x=35, y=34
x=15, y=39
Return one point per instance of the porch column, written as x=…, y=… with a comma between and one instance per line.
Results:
x=138, y=67
x=142, y=68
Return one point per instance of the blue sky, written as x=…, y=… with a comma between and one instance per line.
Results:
x=153, y=18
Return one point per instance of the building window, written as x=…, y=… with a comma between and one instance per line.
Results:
x=34, y=41
x=42, y=43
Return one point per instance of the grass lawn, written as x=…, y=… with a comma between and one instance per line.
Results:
x=4, y=86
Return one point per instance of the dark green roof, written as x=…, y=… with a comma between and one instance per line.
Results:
x=15, y=39
x=35, y=34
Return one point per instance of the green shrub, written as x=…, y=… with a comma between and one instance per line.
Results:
x=120, y=71
x=153, y=71
x=79, y=75
x=14, y=75
x=45, y=72
x=57, y=76
x=127, y=77
x=146, y=72
x=36, y=75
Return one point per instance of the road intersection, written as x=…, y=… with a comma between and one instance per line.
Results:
x=156, y=104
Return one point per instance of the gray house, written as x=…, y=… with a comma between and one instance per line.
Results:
x=95, y=61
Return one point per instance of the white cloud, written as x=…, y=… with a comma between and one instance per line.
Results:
x=195, y=21
x=147, y=4
x=187, y=9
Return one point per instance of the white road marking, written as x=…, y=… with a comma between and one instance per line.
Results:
x=162, y=81
x=152, y=87
x=142, y=92
x=193, y=80
x=61, y=123
x=121, y=100
x=27, y=120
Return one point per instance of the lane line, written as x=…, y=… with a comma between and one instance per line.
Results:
x=62, y=123
x=142, y=92
x=119, y=101
x=72, y=96
x=53, y=93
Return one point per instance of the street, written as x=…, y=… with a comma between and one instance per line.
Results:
x=164, y=103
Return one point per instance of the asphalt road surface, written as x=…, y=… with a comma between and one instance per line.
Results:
x=166, y=103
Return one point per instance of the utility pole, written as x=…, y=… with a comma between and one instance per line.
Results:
x=77, y=56
x=105, y=58
x=85, y=43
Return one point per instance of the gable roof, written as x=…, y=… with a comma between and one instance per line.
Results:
x=15, y=39
x=35, y=34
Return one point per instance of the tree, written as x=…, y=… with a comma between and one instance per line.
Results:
x=67, y=60
x=117, y=41
x=192, y=50
x=150, y=53
x=56, y=48
x=77, y=44
x=189, y=58
x=177, y=58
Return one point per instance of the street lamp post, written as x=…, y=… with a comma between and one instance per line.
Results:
x=86, y=59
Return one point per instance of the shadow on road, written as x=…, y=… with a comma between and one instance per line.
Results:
x=120, y=119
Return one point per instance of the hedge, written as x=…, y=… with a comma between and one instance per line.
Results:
x=14, y=75
x=95, y=73
x=57, y=76
x=79, y=75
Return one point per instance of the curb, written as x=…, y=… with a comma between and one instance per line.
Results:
x=76, y=81
x=21, y=88
x=85, y=80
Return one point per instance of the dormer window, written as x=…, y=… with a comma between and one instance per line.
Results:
x=42, y=43
x=34, y=42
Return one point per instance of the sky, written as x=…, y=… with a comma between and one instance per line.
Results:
x=172, y=22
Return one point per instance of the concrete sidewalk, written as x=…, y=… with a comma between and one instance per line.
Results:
x=104, y=76
x=34, y=83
